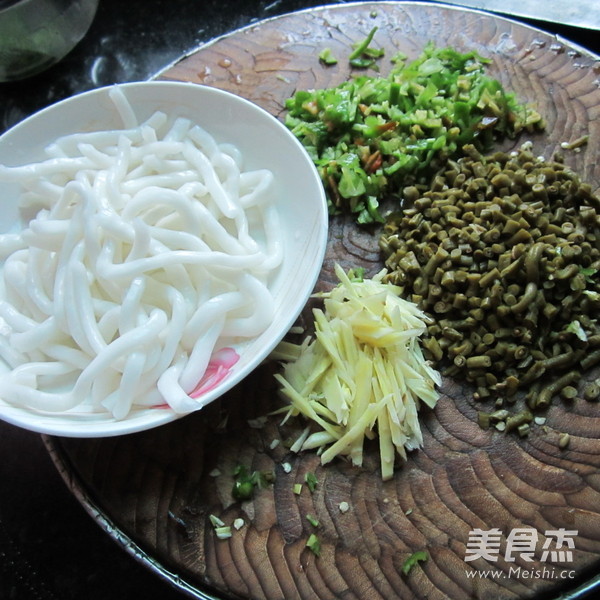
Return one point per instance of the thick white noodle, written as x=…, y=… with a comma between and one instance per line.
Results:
x=150, y=248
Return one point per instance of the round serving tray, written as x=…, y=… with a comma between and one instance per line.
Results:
x=154, y=491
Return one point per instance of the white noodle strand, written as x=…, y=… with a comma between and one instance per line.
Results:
x=147, y=249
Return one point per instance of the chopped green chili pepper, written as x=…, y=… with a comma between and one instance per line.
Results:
x=370, y=137
x=363, y=55
x=327, y=58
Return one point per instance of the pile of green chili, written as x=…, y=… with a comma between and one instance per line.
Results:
x=372, y=135
x=503, y=252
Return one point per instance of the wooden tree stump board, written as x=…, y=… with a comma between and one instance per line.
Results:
x=158, y=487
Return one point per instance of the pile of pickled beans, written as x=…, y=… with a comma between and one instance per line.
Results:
x=503, y=251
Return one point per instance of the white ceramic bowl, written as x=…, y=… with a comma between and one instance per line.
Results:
x=265, y=143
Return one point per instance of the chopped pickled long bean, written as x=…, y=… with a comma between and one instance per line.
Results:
x=531, y=287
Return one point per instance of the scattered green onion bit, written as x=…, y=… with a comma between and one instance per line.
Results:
x=243, y=490
x=412, y=560
x=312, y=520
x=215, y=521
x=311, y=481
x=297, y=489
x=223, y=533
x=245, y=482
x=314, y=544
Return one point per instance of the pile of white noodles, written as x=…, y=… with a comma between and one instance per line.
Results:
x=150, y=249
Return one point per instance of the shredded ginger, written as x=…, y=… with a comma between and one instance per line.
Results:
x=363, y=375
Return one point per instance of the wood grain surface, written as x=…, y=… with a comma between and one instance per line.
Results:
x=159, y=488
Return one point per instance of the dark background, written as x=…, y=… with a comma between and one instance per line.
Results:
x=50, y=548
